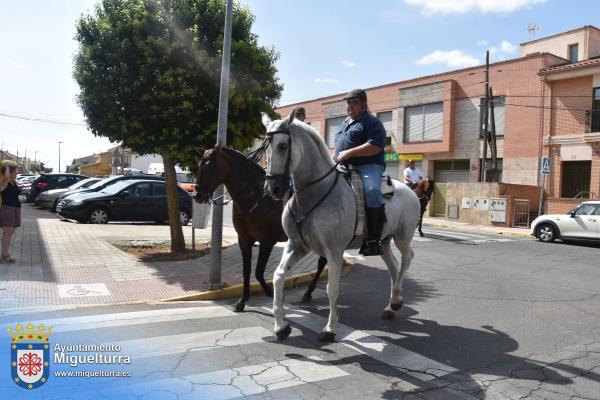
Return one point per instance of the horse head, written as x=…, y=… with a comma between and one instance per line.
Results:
x=277, y=182
x=425, y=187
x=307, y=158
x=212, y=172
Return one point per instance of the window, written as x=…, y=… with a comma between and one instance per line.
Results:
x=587, y=209
x=423, y=123
x=159, y=189
x=141, y=190
x=596, y=110
x=386, y=120
x=332, y=125
x=573, y=52
x=575, y=178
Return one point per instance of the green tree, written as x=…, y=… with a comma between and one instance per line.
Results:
x=149, y=75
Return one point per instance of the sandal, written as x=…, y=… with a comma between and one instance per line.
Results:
x=7, y=259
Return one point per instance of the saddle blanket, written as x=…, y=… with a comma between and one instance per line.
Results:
x=387, y=190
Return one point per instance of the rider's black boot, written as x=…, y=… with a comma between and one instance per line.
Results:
x=375, y=221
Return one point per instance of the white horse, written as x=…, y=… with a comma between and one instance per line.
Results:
x=321, y=216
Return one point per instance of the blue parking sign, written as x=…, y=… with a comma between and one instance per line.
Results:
x=545, y=167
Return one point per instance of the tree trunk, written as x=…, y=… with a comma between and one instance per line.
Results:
x=177, y=239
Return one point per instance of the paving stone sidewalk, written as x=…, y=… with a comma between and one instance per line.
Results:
x=69, y=263
x=62, y=262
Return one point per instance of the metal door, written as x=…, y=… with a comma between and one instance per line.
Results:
x=439, y=199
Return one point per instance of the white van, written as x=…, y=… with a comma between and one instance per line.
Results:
x=156, y=169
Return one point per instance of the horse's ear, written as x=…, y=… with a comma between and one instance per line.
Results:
x=217, y=147
x=199, y=150
x=266, y=120
x=292, y=115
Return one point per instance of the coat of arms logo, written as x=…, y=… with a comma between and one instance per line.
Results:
x=30, y=355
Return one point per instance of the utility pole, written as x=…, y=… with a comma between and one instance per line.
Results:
x=217, y=217
x=493, y=148
x=486, y=117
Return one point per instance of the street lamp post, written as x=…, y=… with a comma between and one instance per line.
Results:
x=59, y=143
x=35, y=159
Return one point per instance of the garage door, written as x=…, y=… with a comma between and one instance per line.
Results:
x=451, y=171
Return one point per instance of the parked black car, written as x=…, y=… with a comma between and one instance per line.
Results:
x=96, y=187
x=126, y=200
x=52, y=181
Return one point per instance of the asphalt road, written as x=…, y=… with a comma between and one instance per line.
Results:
x=486, y=317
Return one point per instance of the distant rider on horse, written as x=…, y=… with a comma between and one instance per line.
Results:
x=360, y=141
x=412, y=175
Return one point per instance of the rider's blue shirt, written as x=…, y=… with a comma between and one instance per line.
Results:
x=365, y=129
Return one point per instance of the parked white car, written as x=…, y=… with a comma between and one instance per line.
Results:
x=581, y=223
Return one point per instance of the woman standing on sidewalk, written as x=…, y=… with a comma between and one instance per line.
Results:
x=10, y=209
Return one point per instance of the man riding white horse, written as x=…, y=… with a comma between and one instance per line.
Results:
x=360, y=142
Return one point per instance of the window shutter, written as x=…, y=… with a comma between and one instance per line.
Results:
x=332, y=125
x=413, y=126
x=434, y=123
x=386, y=120
x=499, y=115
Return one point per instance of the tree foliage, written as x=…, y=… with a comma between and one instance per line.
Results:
x=149, y=73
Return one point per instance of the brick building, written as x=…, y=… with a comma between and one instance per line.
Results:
x=543, y=106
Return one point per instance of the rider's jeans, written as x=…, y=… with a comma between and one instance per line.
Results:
x=370, y=175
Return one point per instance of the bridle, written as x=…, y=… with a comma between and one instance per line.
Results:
x=286, y=175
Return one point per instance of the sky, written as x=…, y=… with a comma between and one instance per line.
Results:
x=325, y=48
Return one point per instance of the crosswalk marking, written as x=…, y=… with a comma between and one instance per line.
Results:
x=138, y=317
x=252, y=379
x=197, y=341
x=374, y=347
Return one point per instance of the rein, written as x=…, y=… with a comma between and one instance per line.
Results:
x=299, y=220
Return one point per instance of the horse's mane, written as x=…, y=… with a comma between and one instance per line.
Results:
x=241, y=158
x=318, y=140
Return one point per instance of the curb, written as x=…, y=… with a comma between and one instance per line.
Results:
x=236, y=290
x=442, y=225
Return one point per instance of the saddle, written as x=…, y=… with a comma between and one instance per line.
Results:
x=353, y=178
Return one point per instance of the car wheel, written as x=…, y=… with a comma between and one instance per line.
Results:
x=184, y=217
x=99, y=216
x=54, y=205
x=546, y=233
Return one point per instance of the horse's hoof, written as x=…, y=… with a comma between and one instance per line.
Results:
x=387, y=315
x=306, y=298
x=421, y=234
x=283, y=333
x=239, y=307
x=328, y=337
x=397, y=306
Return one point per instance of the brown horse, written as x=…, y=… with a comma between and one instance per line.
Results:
x=423, y=189
x=256, y=216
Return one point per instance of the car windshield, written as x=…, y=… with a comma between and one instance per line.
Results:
x=81, y=183
x=103, y=182
x=116, y=187
x=185, y=177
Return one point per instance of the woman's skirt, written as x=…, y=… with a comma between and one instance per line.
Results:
x=10, y=216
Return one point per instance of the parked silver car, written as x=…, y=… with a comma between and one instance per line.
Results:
x=49, y=198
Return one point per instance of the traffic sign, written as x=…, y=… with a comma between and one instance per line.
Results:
x=545, y=166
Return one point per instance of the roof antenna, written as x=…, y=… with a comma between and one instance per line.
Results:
x=532, y=28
